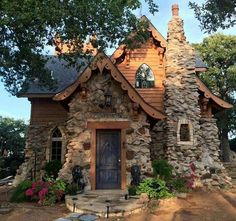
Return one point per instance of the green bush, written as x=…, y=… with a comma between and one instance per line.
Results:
x=162, y=169
x=72, y=189
x=18, y=194
x=178, y=185
x=154, y=187
x=52, y=168
x=132, y=190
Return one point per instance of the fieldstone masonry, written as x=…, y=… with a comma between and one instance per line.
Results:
x=181, y=105
x=91, y=109
x=142, y=143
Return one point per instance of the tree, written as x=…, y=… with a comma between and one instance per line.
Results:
x=12, y=143
x=28, y=27
x=214, y=14
x=219, y=53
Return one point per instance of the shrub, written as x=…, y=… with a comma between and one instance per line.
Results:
x=132, y=190
x=154, y=187
x=46, y=193
x=162, y=169
x=178, y=185
x=18, y=194
x=72, y=189
x=52, y=168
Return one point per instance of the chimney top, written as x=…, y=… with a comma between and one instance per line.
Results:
x=175, y=10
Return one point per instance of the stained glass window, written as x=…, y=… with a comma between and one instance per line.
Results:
x=144, y=77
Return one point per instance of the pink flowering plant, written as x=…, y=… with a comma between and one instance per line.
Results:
x=46, y=193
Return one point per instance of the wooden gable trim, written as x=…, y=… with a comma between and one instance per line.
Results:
x=155, y=34
x=100, y=62
x=208, y=94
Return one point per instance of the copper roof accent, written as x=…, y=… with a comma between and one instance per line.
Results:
x=208, y=94
x=101, y=61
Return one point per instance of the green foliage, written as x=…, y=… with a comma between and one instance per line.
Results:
x=12, y=142
x=55, y=192
x=52, y=168
x=132, y=190
x=28, y=28
x=178, y=185
x=232, y=144
x=219, y=53
x=46, y=193
x=72, y=189
x=215, y=14
x=162, y=169
x=18, y=194
x=154, y=187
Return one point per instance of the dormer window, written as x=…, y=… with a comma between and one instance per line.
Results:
x=144, y=77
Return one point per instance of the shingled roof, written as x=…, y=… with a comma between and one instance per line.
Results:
x=66, y=75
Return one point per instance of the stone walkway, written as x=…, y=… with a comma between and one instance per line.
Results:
x=103, y=203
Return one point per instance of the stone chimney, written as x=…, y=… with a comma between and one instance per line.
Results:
x=190, y=137
x=181, y=97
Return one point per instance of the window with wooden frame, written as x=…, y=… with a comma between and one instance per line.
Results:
x=56, y=145
x=144, y=77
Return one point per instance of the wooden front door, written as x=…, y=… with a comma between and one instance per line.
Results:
x=108, y=166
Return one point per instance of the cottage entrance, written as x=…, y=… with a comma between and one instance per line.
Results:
x=108, y=159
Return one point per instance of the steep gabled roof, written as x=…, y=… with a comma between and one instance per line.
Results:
x=208, y=94
x=100, y=62
x=63, y=74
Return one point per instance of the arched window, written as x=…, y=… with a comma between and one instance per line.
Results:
x=144, y=77
x=56, y=148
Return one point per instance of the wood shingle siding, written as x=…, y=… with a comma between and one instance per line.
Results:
x=46, y=110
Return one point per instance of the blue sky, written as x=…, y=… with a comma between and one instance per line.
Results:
x=20, y=107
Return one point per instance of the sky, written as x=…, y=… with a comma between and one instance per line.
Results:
x=19, y=108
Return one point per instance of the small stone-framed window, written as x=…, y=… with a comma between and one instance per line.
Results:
x=184, y=132
x=144, y=77
x=56, y=145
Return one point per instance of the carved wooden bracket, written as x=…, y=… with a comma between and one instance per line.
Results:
x=135, y=108
x=161, y=55
x=100, y=62
x=83, y=93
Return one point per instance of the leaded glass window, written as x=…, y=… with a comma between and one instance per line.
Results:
x=144, y=77
x=56, y=148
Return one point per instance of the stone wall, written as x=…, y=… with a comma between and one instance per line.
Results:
x=37, y=145
x=158, y=144
x=181, y=106
x=92, y=108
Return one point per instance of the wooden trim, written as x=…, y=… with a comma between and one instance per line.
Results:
x=108, y=124
x=123, y=160
x=208, y=94
x=202, y=69
x=122, y=125
x=32, y=95
x=100, y=62
x=93, y=160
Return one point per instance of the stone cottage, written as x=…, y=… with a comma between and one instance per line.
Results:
x=124, y=110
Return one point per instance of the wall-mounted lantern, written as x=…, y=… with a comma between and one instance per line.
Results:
x=83, y=93
x=108, y=98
